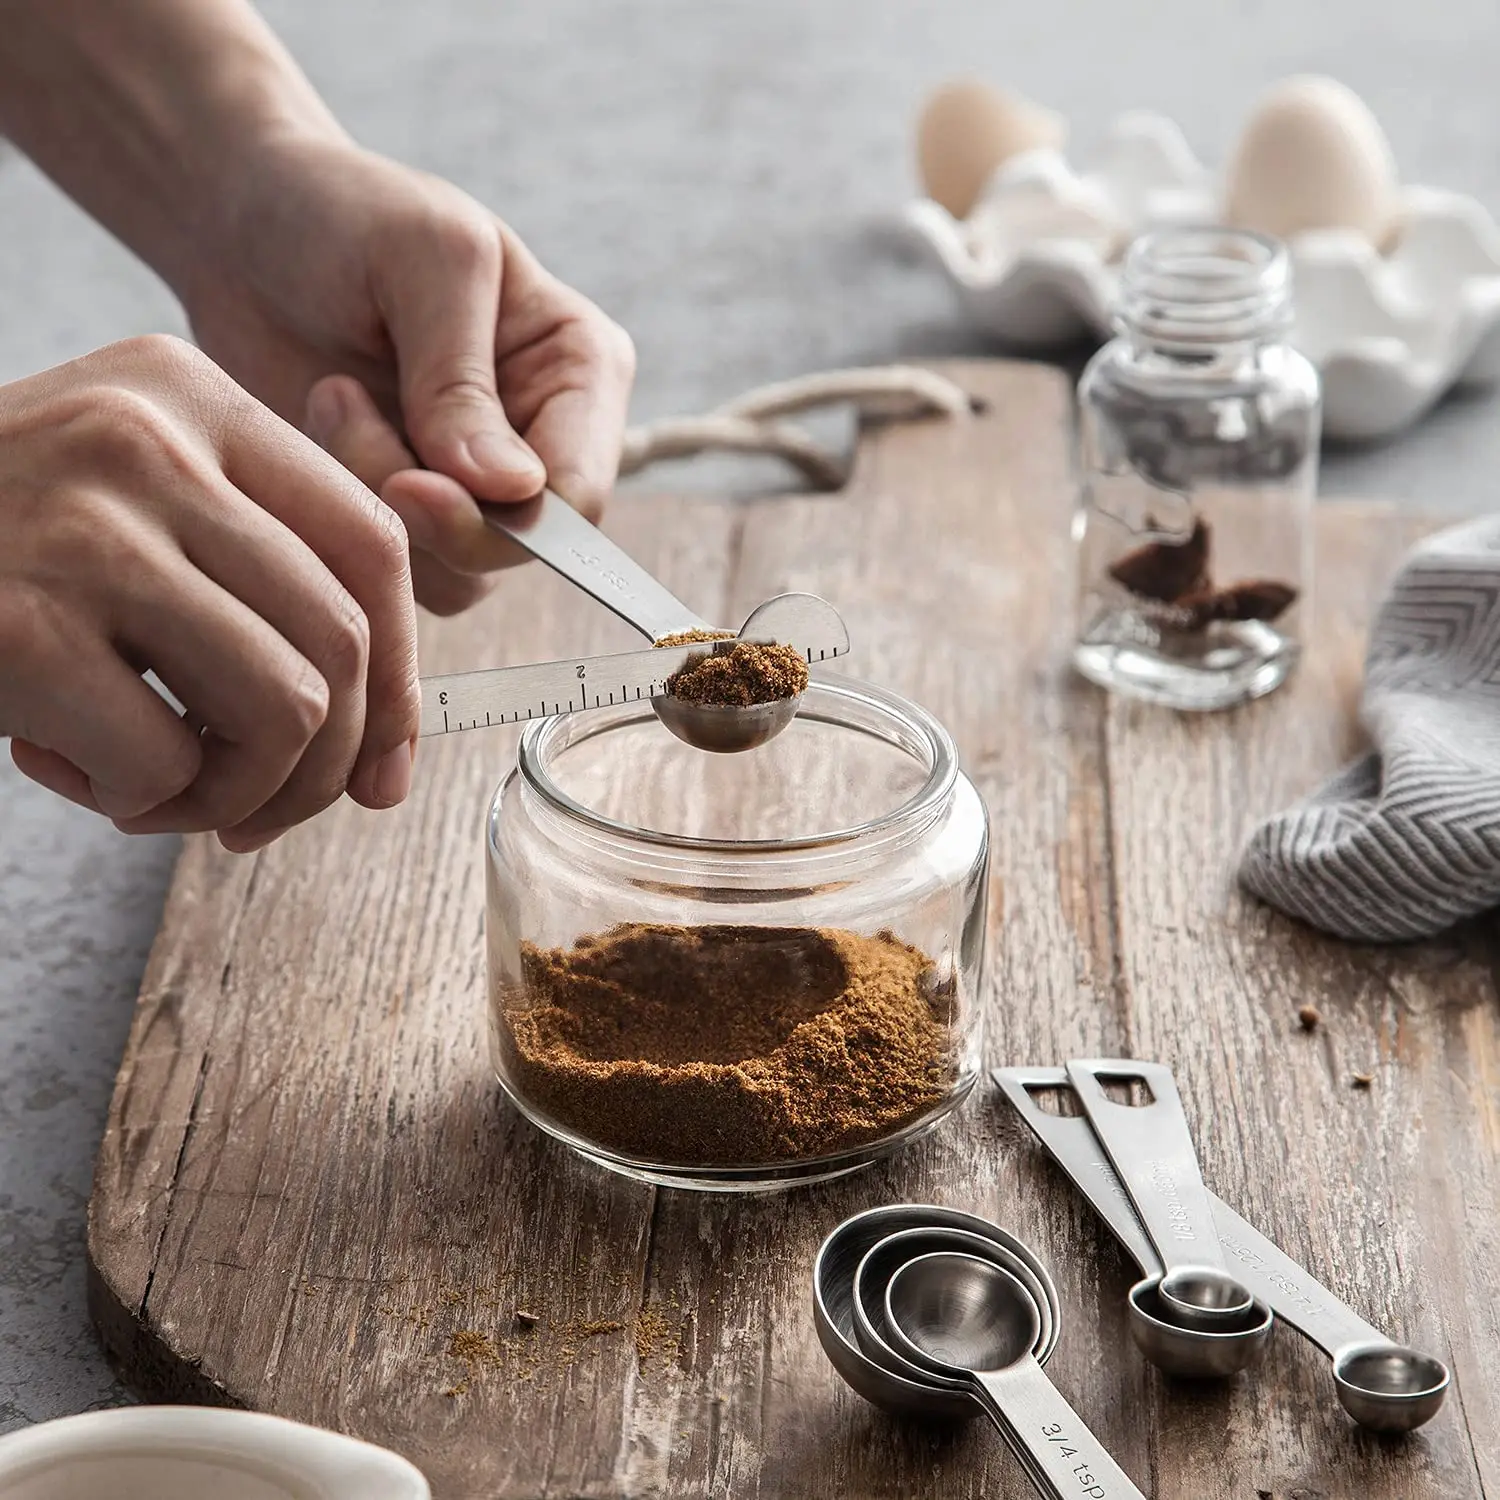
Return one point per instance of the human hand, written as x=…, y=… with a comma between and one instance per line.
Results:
x=418, y=340
x=157, y=517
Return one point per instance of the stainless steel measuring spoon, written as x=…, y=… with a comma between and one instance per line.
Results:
x=1152, y=1149
x=556, y=534
x=872, y=1275
x=839, y=1256
x=1193, y=1353
x=538, y=690
x=958, y=1316
x=1384, y=1386
x=883, y=1260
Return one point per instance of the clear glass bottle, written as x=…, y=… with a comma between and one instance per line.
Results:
x=1199, y=432
x=737, y=971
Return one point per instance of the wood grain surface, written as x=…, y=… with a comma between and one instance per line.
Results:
x=308, y=1184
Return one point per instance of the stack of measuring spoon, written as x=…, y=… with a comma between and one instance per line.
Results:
x=930, y=1312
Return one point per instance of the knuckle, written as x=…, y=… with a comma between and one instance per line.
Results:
x=302, y=703
x=618, y=349
x=28, y=633
x=468, y=242
x=465, y=383
x=119, y=429
x=346, y=648
x=159, y=351
x=390, y=547
x=173, y=769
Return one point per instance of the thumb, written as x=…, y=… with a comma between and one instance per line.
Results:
x=445, y=297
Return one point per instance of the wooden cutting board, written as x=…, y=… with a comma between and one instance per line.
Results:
x=309, y=1186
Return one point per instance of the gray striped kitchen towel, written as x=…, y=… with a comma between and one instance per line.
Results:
x=1406, y=841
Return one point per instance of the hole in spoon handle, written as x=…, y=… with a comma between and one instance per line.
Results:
x=1034, y=1411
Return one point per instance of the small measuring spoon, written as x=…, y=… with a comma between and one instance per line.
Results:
x=1191, y=1353
x=961, y=1317
x=1384, y=1386
x=556, y=534
x=1152, y=1149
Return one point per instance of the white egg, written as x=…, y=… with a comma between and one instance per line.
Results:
x=1312, y=156
x=967, y=129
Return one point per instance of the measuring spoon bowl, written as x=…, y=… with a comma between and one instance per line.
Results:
x=883, y=1260
x=958, y=1315
x=730, y=729
x=725, y=730
x=1195, y=1353
x=1389, y=1387
x=1205, y=1297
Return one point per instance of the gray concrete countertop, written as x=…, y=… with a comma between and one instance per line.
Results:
x=715, y=176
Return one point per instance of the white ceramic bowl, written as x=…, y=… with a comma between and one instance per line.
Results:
x=196, y=1453
x=1036, y=264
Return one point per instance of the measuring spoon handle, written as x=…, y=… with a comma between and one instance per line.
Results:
x=554, y=533
x=1072, y=1144
x=1288, y=1290
x=1073, y=1461
x=1152, y=1149
x=1260, y=1265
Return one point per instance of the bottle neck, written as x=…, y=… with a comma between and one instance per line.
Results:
x=1204, y=296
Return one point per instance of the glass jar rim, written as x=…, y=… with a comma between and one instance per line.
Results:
x=1192, y=284
x=551, y=736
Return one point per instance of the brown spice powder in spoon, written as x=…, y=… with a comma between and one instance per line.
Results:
x=747, y=674
x=730, y=1046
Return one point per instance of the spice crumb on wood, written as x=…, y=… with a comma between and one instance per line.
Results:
x=1309, y=1017
x=1362, y=1080
x=656, y=1335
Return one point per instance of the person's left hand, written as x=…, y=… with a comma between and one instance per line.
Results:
x=412, y=334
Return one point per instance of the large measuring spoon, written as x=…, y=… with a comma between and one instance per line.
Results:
x=556, y=534
x=964, y=1318
x=507, y=695
x=873, y=1275
x=911, y=1393
x=1152, y=1149
x=1384, y=1386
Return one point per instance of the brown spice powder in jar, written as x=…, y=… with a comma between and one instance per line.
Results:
x=730, y=1046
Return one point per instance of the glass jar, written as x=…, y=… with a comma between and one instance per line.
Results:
x=737, y=971
x=1199, y=431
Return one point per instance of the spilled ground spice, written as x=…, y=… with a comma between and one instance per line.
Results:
x=748, y=673
x=730, y=1046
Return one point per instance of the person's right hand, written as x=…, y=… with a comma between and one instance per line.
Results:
x=155, y=516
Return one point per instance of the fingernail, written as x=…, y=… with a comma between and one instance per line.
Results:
x=504, y=453
x=248, y=843
x=327, y=411
x=393, y=776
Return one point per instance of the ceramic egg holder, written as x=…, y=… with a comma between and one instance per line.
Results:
x=1393, y=320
